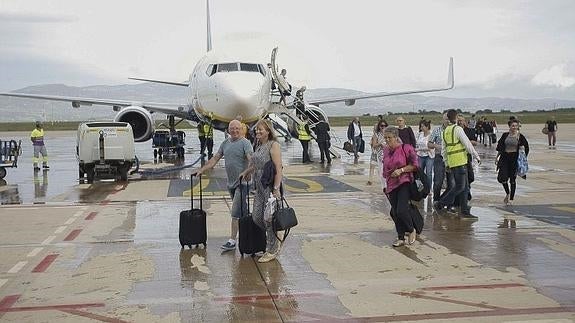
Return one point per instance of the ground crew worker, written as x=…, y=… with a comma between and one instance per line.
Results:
x=455, y=148
x=202, y=137
x=37, y=138
x=209, y=135
x=303, y=134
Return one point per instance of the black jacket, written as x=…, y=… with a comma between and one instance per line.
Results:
x=322, y=131
x=350, y=130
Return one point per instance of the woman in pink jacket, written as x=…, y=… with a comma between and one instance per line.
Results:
x=399, y=163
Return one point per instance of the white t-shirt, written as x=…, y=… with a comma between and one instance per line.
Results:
x=421, y=146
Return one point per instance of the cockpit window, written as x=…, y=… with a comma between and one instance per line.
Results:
x=227, y=67
x=211, y=69
x=247, y=67
x=233, y=67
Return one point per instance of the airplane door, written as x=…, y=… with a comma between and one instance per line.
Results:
x=280, y=80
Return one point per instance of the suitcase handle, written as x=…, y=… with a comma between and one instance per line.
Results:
x=242, y=196
x=192, y=190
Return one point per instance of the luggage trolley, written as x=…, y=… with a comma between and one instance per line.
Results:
x=10, y=150
x=166, y=142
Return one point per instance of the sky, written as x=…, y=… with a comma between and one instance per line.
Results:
x=516, y=49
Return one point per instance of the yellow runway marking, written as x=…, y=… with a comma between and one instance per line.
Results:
x=569, y=209
x=312, y=186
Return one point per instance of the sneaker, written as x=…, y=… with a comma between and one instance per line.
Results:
x=46, y=167
x=468, y=216
x=452, y=210
x=506, y=200
x=228, y=246
x=398, y=243
x=267, y=257
x=36, y=168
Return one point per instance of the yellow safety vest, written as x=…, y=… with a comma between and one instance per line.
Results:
x=37, y=136
x=208, y=131
x=302, y=134
x=456, y=152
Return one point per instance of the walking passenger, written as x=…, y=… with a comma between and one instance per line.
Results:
x=424, y=153
x=454, y=152
x=37, y=138
x=508, y=148
x=355, y=135
x=399, y=163
x=267, y=148
x=321, y=130
x=377, y=145
x=551, y=125
x=436, y=142
x=237, y=151
x=405, y=133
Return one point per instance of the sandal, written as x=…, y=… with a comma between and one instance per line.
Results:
x=398, y=243
x=412, y=237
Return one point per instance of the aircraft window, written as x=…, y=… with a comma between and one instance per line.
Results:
x=227, y=67
x=211, y=69
x=262, y=69
x=246, y=67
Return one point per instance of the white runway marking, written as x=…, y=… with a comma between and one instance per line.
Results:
x=77, y=214
x=2, y=282
x=70, y=220
x=17, y=267
x=60, y=229
x=48, y=240
x=35, y=252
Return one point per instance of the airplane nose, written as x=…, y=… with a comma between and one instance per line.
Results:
x=241, y=94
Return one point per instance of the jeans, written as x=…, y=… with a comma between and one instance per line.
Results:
x=438, y=176
x=426, y=163
x=305, y=151
x=459, y=190
x=356, y=144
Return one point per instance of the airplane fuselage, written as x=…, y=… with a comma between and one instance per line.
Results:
x=223, y=88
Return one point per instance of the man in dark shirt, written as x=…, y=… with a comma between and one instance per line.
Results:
x=405, y=133
x=551, y=125
x=321, y=130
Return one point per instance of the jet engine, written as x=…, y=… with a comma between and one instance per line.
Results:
x=140, y=120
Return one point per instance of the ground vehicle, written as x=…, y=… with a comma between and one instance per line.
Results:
x=10, y=150
x=166, y=142
x=105, y=150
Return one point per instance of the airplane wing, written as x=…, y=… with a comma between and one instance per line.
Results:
x=350, y=100
x=168, y=108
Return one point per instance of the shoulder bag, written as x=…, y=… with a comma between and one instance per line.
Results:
x=284, y=219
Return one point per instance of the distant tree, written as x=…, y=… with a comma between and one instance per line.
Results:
x=487, y=111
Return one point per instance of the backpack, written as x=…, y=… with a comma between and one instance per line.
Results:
x=421, y=186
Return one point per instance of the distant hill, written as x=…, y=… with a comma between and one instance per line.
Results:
x=13, y=109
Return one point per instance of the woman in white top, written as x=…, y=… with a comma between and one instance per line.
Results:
x=425, y=154
x=377, y=145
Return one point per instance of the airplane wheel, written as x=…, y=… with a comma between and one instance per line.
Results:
x=90, y=175
x=2, y=172
x=155, y=153
x=124, y=175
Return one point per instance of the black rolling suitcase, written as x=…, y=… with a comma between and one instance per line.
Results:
x=193, y=222
x=252, y=238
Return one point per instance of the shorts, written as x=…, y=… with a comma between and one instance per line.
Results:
x=239, y=197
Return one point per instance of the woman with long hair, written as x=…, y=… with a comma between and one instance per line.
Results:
x=399, y=163
x=377, y=145
x=424, y=153
x=267, y=148
x=508, y=148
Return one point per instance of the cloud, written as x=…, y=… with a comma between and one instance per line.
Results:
x=554, y=76
x=35, y=18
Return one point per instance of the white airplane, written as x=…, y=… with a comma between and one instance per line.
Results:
x=222, y=86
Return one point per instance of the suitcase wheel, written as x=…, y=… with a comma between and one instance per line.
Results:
x=190, y=246
x=204, y=245
x=183, y=247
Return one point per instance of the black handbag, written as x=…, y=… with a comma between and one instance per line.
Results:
x=284, y=219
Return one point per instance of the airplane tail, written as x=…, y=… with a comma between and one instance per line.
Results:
x=209, y=29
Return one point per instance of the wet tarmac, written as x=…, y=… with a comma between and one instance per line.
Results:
x=109, y=251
